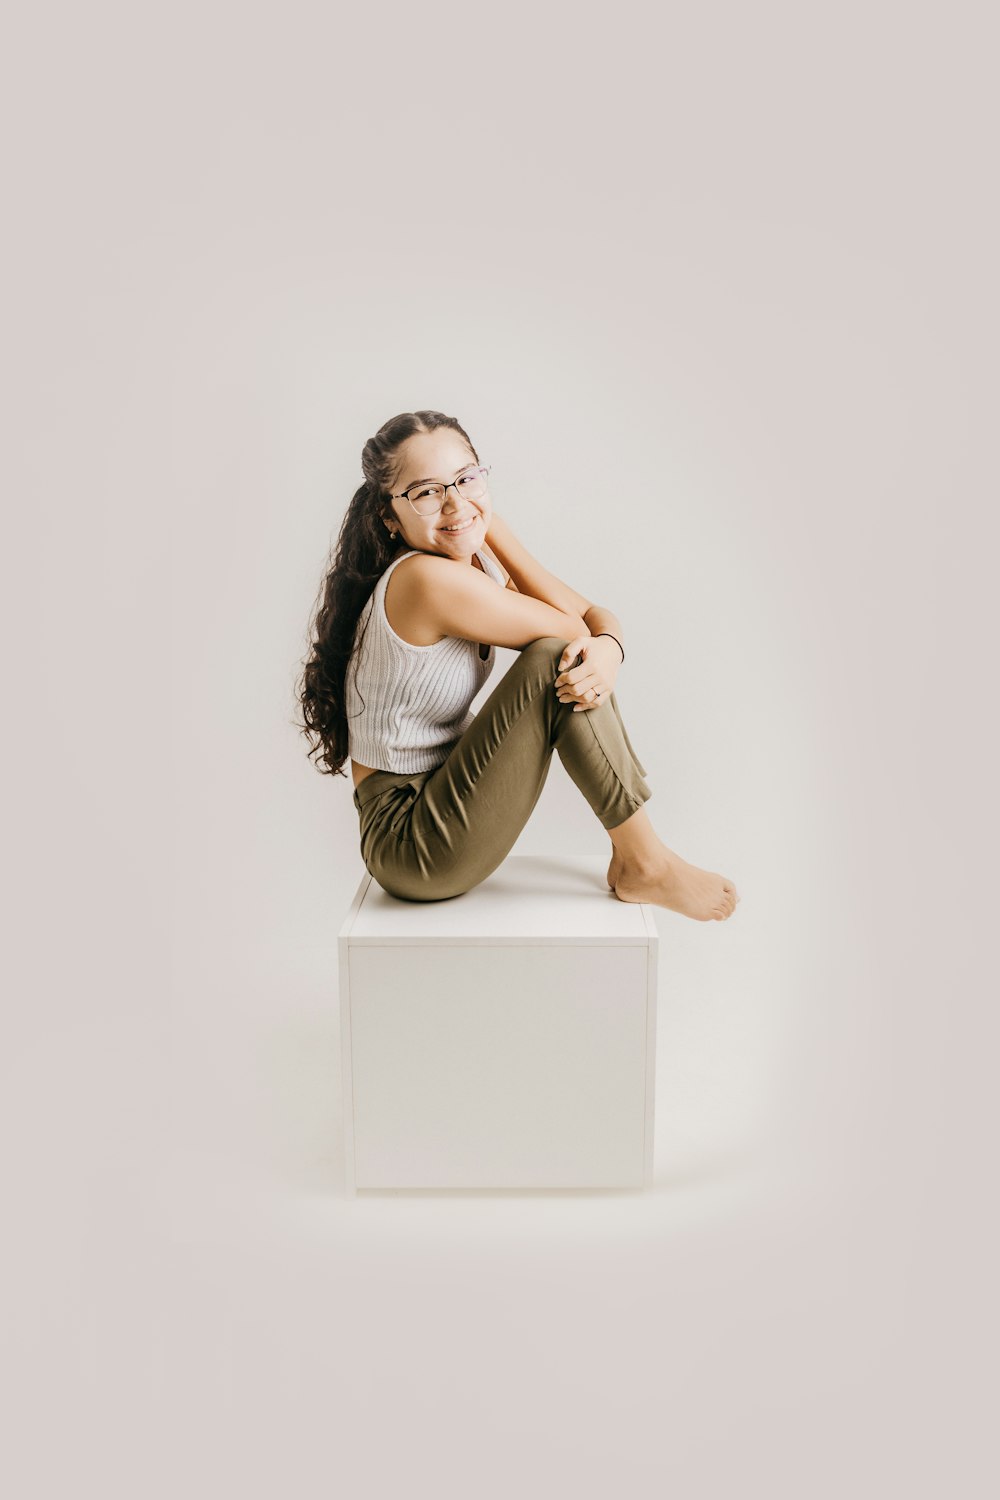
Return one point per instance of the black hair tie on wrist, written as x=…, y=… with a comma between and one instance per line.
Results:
x=616, y=641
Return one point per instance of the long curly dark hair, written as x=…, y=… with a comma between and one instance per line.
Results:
x=363, y=551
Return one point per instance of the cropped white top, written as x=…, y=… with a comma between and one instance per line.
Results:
x=407, y=705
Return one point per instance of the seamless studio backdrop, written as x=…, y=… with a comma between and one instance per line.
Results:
x=713, y=292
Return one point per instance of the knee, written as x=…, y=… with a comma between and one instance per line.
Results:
x=547, y=649
x=538, y=661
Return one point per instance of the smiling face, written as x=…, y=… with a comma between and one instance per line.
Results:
x=439, y=457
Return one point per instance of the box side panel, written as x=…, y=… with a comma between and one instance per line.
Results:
x=346, y=1066
x=652, y=986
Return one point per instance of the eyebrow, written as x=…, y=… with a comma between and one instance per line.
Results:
x=430, y=480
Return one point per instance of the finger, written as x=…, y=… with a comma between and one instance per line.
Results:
x=583, y=679
x=570, y=653
x=594, y=697
x=579, y=687
x=574, y=674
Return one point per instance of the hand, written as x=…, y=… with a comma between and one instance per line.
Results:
x=592, y=682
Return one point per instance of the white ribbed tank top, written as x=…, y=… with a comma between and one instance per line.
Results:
x=407, y=705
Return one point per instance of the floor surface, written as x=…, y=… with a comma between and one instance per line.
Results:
x=199, y=1309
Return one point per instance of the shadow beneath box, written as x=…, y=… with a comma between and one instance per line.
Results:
x=596, y=1192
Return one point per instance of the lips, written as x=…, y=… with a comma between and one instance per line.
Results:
x=465, y=525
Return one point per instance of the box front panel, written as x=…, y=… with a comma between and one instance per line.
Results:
x=499, y=1066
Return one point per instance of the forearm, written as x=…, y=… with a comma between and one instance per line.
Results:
x=598, y=620
x=528, y=574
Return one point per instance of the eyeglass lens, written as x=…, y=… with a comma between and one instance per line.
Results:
x=429, y=498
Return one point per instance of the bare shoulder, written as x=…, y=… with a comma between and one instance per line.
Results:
x=404, y=602
x=415, y=589
x=423, y=565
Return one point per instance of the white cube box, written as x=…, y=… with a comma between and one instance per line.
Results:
x=505, y=1038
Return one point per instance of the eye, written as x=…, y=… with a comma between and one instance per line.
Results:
x=467, y=478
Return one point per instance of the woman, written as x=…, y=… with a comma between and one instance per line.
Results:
x=426, y=582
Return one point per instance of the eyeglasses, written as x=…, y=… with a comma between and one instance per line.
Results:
x=429, y=498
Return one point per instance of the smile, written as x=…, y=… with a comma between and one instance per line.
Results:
x=454, y=530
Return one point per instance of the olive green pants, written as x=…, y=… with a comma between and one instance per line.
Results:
x=430, y=835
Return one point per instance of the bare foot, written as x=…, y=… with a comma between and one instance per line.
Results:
x=680, y=887
x=614, y=868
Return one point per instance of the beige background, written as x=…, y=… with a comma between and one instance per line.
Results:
x=713, y=290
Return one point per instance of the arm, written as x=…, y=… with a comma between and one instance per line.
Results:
x=598, y=620
x=463, y=602
x=529, y=576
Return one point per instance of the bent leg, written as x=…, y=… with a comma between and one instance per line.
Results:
x=599, y=757
x=452, y=827
x=614, y=704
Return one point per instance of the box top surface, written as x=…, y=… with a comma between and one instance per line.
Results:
x=554, y=898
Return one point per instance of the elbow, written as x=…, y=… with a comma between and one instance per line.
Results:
x=572, y=626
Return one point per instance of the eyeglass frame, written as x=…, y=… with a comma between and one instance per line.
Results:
x=483, y=469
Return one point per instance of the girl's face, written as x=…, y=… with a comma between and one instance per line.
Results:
x=439, y=457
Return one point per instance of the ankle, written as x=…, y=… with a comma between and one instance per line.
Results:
x=644, y=864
